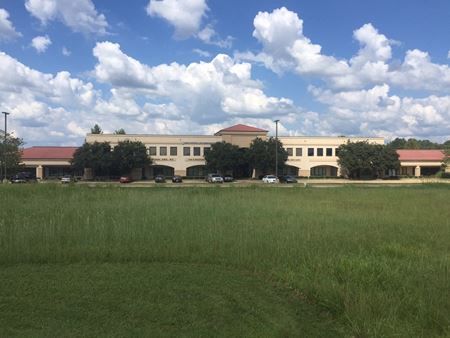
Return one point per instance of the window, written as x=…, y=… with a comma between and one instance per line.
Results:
x=298, y=152
x=289, y=151
x=329, y=151
x=152, y=151
x=310, y=151
x=318, y=171
x=319, y=151
x=173, y=151
x=196, y=151
x=186, y=151
x=163, y=151
x=205, y=150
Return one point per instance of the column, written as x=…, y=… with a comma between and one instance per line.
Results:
x=40, y=172
x=417, y=171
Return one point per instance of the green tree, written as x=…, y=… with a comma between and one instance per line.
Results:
x=11, y=154
x=224, y=158
x=446, y=160
x=128, y=155
x=120, y=131
x=262, y=155
x=96, y=156
x=366, y=160
x=398, y=143
x=96, y=129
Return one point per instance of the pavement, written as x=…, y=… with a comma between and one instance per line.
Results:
x=301, y=182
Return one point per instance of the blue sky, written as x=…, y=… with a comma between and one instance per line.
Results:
x=337, y=67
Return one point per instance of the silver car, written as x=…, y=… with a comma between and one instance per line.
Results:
x=214, y=178
x=270, y=179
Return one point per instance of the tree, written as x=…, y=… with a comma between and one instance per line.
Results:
x=223, y=158
x=96, y=129
x=446, y=161
x=96, y=156
x=412, y=143
x=262, y=155
x=11, y=152
x=128, y=155
x=120, y=131
x=366, y=160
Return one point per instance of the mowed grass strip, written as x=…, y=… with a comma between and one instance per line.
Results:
x=376, y=259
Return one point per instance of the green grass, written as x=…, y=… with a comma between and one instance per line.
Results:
x=356, y=261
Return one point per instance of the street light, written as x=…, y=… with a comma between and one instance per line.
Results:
x=276, y=147
x=4, y=144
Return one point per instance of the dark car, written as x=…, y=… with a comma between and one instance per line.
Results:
x=18, y=179
x=160, y=179
x=177, y=179
x=228, y=178
x=288, y=179
x=125, y=179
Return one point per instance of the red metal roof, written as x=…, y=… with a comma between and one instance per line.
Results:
x=65, y=153
x=242, y=128
x=420, y=155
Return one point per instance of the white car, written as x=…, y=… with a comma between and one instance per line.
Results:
x=270, y=179
x=67, y=179
x=214, y=178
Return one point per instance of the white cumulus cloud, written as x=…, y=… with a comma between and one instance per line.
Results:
x=80, y=16
x=204, y=91
x=41, y=43
x=184, y=15
x=7, y=30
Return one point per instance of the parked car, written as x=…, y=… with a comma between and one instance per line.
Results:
x=177, y=179
x=67, y=179
x=270, y=179
x=288, y=179
x=160, y=179
x=228, y=178
x=214, y=178
x=23, y=177
x=18, y=179
x=125, y=179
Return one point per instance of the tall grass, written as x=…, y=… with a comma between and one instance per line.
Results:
x=377, y=258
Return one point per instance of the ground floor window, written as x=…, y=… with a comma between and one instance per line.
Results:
x=161, y=170
x=196, y=171
x=323, y=171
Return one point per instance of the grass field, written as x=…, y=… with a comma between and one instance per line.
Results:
x=256, y=261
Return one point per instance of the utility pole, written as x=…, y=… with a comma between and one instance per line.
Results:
x=276, y=147
x=5, y=146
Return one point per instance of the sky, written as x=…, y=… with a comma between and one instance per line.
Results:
x=334, y=67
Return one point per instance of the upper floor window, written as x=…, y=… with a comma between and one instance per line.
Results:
x=186, y=151
x=329, y=151
x=163, y=151
x=196, y=151
x=152, y=151
x=289, y=151
x=298, y=152
x=319, y=151
x=310, y=151
x=173, y=151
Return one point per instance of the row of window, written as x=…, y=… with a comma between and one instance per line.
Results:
x=173, y=151
x=311, y=151
x=196, y=151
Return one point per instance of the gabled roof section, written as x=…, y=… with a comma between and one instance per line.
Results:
x=53, y=153
x=420, y=155
x=241, y=128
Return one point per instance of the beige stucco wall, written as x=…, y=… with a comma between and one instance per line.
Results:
x=305, y=162
x=180, y=162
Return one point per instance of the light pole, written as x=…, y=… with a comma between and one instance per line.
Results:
x=4, y=145
x=276, y=147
